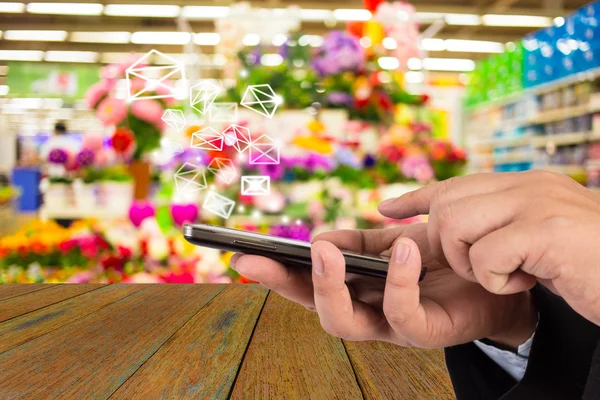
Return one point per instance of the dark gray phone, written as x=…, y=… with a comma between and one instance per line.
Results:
x=289, y=252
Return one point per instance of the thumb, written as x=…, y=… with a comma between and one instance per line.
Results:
x=401, y=303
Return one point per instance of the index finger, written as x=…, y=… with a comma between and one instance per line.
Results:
x=418, y=202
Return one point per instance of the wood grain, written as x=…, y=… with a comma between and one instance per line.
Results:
x=291, y=357
x=23, y=304
x=12, y=290
x=201, y=360
x=386, y=371
x=93, y=356
x=37, y=323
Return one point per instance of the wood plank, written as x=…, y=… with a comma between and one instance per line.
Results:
x=20, y=305
x=386, y=371
x=202, y=359
x=9, y=290
x=37, y=323
x=95, y=355
x=291, y=357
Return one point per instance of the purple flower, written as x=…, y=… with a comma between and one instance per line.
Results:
x=275, y=171
x=369, y=161
x=292, y=162
x=58, y=156
x=347, y=157
x=317, y=162
x=85, y=157
x=295, y=232
x=339, y=98
x=340, y=52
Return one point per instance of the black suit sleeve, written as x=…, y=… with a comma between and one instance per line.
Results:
x=564, y=361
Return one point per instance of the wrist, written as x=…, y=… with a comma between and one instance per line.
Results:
x=523, y=327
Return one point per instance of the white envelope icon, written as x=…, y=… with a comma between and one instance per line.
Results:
x=264, y=150
x=261, y=99
x=223, y=168
x=207, y=139
x=155, y=78
x=238, y=137
x=189, y=178
x=174, y=118
x=219, y=205
x=203, y=94
x=223, y=112
x=256, y=185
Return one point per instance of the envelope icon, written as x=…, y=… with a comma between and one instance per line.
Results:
x=224, y=112
x=256, y=185
x=190, y=178
x=152, y=81
x=219, y=205
x=207, y=139
x=203, y=94
x=174, y=118
x=238, y=137
x=264, y=150
x=261, y=99
x=223, y=168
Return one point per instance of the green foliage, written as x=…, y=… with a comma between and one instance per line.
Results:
x=113, y=174
x=60, y=180
x=147, y=136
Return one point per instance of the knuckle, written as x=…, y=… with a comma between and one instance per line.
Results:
x=395, y=317
x=444, y=217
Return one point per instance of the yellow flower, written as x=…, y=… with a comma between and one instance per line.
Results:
x=316, y=126
x=314, y=143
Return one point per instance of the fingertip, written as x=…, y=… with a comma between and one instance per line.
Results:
x=327, y=259
x=234, y=259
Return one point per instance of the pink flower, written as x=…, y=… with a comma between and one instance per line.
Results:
x=95, y=93
x=424, y=173
x=92, y=141
x=411, y=164
x=166, y=91
x=112, y=111
x=143, y=277
x=148, y=110
x=104, y=157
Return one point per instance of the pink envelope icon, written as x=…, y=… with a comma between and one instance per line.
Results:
x=207, y=139
x=264, y=151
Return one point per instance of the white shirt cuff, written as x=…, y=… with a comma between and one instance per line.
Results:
x=514, y=364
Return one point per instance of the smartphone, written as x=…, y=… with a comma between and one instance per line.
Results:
x=293, y=253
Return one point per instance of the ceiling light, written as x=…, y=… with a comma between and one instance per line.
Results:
x=100, y=37
x=172, y=38
x=475, y=46
x=21, y=55
x=342, y=14
x=279, y=39
x=529, y=21
x=45, y=36
x=142, y=10
x=251, y=39
x=559, y=21
x=65, y=8
x=431, y=44
x=15, y=8
x=207, y=39
x=448, y=64
x=271, y=60
x=414, y=77
x=115, y=57
x=463, y=19
x=429, y=16
x=204, y=12
x=390, y=43
x=414, y=63
x=3, y=90
x=72, y=56
x=308, y=14
x=388, y=63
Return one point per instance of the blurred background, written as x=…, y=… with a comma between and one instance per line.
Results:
x=121, y=120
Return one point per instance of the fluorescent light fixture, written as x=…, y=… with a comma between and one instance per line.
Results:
x=207, y=38
x=448, y=64
x=390, y=43
x=271, y=60
x=3, y=90
x=312, y=14
x=35, y=36
x=65, y=8
x=414, y=77
x=251, y=39
x=432, y=44
x=559, y=21
x=204, y=12
x=389, y=63
x=463, y=19
x=12, y=8
x=142, y=10
x=100, y=37
x=529, y=21
x=21, y=55
x=115, y=57
x=414, y=63
x=279, y=39
x=475, y=46
x=174, y=38
x=343, y=14
x=429, y=16
x=72, y=56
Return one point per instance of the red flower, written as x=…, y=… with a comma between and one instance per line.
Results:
x=124, y=252
x=180, y=278
x=122, y=140
x=112, y=262
x=246, y=200
x=88, y=247
x=425, y=98
x=384, y=101
x=144, y=248
x=101, y=243
x=67, y=246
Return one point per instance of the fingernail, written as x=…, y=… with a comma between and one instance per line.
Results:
x=234, y=259
x=386, y=203
x=318, y=265
x=401, y=252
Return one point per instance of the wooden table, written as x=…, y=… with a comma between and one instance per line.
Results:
x=193, y=342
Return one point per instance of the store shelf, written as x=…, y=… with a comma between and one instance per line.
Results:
x=561, y=114
x=563, y=139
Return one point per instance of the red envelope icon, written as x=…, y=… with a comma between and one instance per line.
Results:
x=207, y=139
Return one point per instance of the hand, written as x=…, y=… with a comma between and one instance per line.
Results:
x=507, y=231
x=443, y=310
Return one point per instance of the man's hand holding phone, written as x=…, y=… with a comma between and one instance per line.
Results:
x=443, y=310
